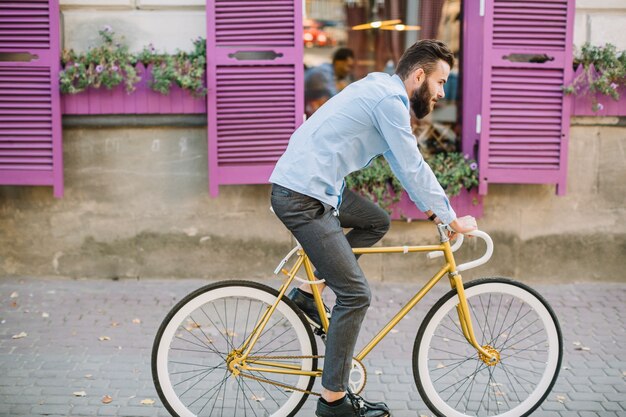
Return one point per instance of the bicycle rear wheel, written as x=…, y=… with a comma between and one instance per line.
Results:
x=192, y=347
x=507, y=316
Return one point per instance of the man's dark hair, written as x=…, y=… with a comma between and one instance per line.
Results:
x=424, y=54
x=342, y=54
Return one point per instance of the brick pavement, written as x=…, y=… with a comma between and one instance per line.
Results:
x=64, y=320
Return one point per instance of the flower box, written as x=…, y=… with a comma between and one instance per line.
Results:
x=141, y=101
x=466, y=203
x=582, y=105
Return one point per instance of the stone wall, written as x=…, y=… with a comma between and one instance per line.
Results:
x=137, y=205
x=600, y=22
x=172, y=24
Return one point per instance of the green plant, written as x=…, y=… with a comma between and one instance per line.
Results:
x=377, y=183
x=604, y=71
x=453, y=170
x=185, y=69
x=107, y=65
x=112, y=64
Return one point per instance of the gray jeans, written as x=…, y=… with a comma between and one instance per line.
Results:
x=320, y=232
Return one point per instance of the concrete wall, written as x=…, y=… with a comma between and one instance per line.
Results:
x=167, y=24
x=600, y=22
x=137, y=205
x=172, y=24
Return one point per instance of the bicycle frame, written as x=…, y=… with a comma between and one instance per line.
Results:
x=450, y=267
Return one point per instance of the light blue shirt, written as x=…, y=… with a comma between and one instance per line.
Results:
x=368, y=118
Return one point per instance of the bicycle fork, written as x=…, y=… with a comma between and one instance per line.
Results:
x=487, y=353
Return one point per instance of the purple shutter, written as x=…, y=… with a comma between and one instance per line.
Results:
x=525, y=117
x=30, y=117
x=255, y=82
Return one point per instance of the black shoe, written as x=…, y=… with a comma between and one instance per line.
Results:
x=352, y=406
x=308, y=307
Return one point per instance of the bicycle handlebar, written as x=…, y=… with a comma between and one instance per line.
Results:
x=457, y=244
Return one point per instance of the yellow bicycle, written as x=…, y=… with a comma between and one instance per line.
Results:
x=491, y=347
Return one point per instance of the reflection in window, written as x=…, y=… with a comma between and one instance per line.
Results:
x=378, y=32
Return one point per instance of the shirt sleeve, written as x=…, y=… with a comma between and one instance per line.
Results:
x=391, y=118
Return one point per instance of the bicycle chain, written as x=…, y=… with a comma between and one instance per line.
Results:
x=279, y=384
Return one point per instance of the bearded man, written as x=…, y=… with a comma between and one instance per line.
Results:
x=368, y=118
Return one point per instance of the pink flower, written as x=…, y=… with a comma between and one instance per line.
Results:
x=473, y=166
x=99, y=68
x=107, y=28
x=114, y=67
x=600, y=106
x=614, y=86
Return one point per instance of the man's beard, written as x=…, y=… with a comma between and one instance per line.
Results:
x=420, y=101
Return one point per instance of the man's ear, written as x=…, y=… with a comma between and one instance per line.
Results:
x=419, y=75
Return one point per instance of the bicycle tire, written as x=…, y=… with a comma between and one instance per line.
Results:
x=446, y=366
x=191, y=346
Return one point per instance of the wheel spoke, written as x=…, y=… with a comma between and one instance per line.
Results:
x=196, y=360
x=507, y=317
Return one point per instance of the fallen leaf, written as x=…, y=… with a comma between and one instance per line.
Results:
x=45, y=315
x=136, y=321
x=114, y=324
x=394, y=330
x=445, y=339
x=107, y=399
x=14, y=294
x=440, y=365
x=585, y=348
x=147, y=401
x=103, y=338
x=80, y=393
x=561, y=399
x=13, y=304
x=255, y=398
x=577, y=343
x=20, y=335
x=378, y=372
x=88, y=376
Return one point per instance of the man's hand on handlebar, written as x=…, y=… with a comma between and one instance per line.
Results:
x=463, y=225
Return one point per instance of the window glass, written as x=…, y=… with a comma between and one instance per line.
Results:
x=377, y=32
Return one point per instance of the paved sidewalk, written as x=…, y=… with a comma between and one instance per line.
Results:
x=95, y=336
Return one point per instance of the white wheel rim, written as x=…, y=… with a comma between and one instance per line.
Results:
x=502, y=288
x=248, y=292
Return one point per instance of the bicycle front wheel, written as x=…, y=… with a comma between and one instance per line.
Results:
x=509, y=318
x=207, y=328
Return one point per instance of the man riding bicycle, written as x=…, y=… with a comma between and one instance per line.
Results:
x=368, y=118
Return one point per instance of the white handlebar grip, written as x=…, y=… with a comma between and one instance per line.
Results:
x=457, y=244
x=483, y=259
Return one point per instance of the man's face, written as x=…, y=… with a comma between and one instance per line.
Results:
x=429, y=89
x=344, y=67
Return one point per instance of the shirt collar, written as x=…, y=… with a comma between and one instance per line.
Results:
x=401, y=88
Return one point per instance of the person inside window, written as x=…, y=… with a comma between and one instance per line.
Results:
x=326, y=80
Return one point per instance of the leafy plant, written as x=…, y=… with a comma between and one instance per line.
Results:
x=453, y=170
x=107, y=65
x=377, y=183
x=604, y=71
x=184, y=69
x=112, y=64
